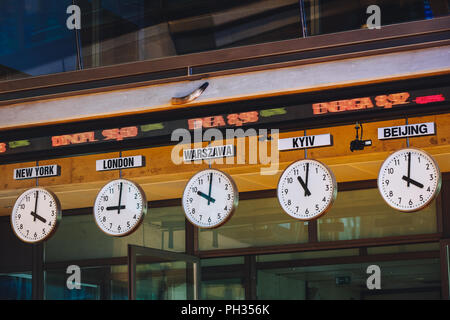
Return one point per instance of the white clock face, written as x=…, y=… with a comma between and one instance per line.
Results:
x=120, y=207
x=210, y=198
x=35, y=215
x=409, y=180
x=306, y=189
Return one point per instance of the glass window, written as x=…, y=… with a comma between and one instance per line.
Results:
x=329, y=16
x=223, y=289
x=16, y=254
x=35, y=39
x=15, y=264
x=153, y=29
x=362, y=214
x=400, y=280
x=223, y=279
x=161, y=280
x=256, y=222
x=15, y=286
x=96, y=283
x=79, y=238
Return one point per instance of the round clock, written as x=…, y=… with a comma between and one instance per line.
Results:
x=210, y=198
x=409, y=180
x=35, y=215
x=306, y=189
x=120, y=207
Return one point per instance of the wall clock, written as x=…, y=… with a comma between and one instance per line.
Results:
x=36, y=215
x=120, y=207
x=210, y=198
x=409, y=180
x=306, y=189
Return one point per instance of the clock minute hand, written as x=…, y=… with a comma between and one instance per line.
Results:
x=210, y=185
x=34, y=213
x=409, y=168
x=120, y=198
x=307, y=173
x=414, y=182
x=307, y=192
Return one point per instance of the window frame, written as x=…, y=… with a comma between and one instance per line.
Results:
x=313, y=243
x=264, y=56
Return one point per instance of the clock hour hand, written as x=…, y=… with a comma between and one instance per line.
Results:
x=307, y=192
x=414, y=182
x=210, y=199
x=36, y=216
x=115, y=208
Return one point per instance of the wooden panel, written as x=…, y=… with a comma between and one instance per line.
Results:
x=162, y=179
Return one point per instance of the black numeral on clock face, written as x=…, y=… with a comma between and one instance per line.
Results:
x=408, y=180
x=306, y=189
x=34, y=215
x=120, y=206
x=206, y=194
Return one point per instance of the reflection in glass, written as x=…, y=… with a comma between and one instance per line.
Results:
x=400, y=280
x=329, y=16
x=223, y=289
x=97, y=283
x=35, y=39
x=79, y=238
x=363, y=214
x=258, y=222
x=161, y=281
x=223, y=279
x=15, y=286
x=118, y=31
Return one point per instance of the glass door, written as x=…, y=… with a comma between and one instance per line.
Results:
x=155, y=274
x=445, y=265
